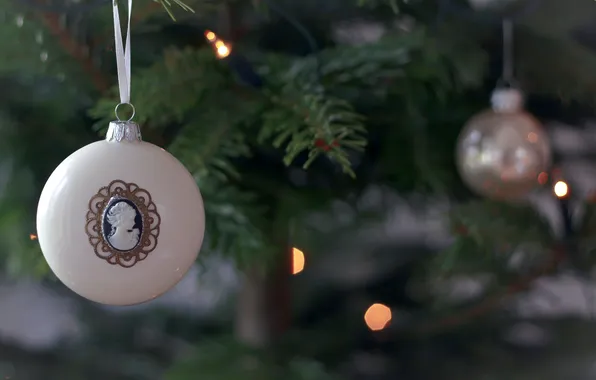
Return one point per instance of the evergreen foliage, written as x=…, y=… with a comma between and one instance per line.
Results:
x=326, y=104
x=226, y=359
x=385, y=112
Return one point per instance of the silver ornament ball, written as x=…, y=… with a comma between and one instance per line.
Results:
x=503, y=152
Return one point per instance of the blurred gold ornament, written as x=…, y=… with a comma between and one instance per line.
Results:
x=503, y=152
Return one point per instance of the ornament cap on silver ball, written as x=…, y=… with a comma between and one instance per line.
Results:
x=124, y=130
x=507, y=100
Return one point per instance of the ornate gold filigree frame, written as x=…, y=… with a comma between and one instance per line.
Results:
x=94, y=226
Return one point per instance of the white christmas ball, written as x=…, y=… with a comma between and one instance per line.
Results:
x=120, y=221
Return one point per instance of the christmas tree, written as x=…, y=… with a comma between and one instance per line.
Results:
x=287, y=113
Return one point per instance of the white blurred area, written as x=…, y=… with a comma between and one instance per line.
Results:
x=490, y=4
x=565, y=295
x=34, y=317
x=202, y=290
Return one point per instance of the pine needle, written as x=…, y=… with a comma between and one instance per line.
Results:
x=167, y=4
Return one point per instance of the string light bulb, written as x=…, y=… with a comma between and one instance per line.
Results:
x=222, y=49
x=377, y=317
x=210, y=36
x=561, y=189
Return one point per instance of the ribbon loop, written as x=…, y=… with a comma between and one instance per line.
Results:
x=122, y=53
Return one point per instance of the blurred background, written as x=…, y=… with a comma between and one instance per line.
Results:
x=345, y=237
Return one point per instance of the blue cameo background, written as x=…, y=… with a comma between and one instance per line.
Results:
x=122, y=224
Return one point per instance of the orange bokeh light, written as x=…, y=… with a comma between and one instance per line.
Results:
x=298, y=261
x=222, y=50
x=210, y=36
x=377, y=317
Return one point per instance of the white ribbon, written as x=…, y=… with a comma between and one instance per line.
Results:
x=122, y=53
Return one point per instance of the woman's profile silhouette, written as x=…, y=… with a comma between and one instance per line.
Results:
x=123, y=236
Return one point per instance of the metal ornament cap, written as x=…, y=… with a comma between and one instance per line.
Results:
x=507, y=100
x=123, y=131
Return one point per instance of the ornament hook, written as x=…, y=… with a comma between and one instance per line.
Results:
x=131, y=116
x=508, y=51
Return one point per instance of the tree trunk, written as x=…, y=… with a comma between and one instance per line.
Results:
x=263, y=310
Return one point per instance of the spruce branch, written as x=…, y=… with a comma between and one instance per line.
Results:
x=316, y=123
x=167, y=91
x=346, y=68
x=234, y=216
x=304, y=119
x=167, y=5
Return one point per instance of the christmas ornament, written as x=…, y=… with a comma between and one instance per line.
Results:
x=120, y=221
x=502, y=152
